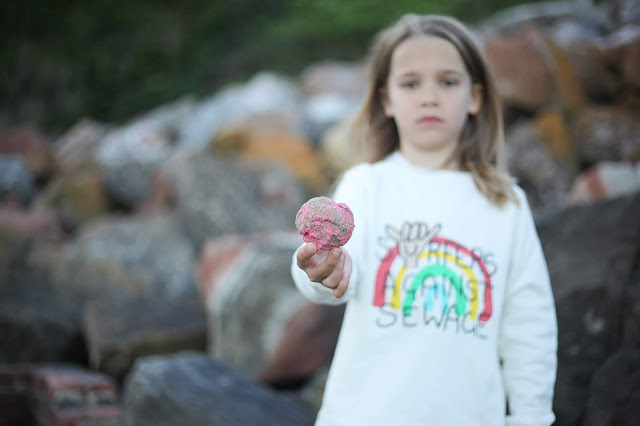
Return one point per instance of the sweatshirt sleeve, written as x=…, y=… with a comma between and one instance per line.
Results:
x=528, y=330
x=351, y=190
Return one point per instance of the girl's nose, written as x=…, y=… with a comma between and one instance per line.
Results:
x=429, y=95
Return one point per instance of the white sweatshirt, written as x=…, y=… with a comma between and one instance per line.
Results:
x=450, y=311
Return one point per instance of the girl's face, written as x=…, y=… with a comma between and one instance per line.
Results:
x=429, y=94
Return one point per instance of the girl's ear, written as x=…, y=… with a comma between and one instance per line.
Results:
x=477, y=93
x=384, y=99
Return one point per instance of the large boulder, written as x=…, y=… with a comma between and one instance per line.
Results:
x=191, y=389
x=606, y=133
x=129, y=155
x=530, y=158
x=154, y=247
x=521, y=68
x=32, y=147
x=259, y=322
x=43, y=294
x=283, y=147
x=119, y=330
x=614, y=391
x=591, y=253
x=216, y=196
x=264, y=94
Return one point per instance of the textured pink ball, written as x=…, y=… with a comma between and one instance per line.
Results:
x=325, y=223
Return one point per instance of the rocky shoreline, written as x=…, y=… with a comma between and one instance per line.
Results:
x=152, y=259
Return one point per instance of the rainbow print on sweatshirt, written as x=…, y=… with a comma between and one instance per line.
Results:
x=448, y=279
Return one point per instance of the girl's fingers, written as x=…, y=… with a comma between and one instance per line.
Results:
x=333, y=279
x=343, y=285
x=318, y=264
x=305, y=254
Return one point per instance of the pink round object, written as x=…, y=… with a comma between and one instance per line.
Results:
x=325, y=223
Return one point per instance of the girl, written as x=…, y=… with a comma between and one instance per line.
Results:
x=450, y=317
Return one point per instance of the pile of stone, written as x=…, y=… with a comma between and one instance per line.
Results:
x=158, y=252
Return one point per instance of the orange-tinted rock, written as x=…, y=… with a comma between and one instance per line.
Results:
x=556, y=133
x=283, y=147
x=570, y=93
x=520, y=65
x=77, y=197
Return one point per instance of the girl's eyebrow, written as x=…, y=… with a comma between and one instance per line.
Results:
x=444, y=71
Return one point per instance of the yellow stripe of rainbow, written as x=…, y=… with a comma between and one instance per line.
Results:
x=397, y=284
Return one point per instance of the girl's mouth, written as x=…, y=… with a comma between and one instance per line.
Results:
x=429, y=120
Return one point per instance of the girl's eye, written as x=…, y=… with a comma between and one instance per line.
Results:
x=448, y=82
x=409, y=84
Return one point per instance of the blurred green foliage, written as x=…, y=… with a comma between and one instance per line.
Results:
x=64, y=60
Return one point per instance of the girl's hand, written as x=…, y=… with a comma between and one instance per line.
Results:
x=331, y=268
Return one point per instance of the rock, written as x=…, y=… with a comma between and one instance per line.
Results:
x=16, y=183
x=621, y=51
x=76, y=196
x=76, y=148
x=539, y=14
x=307, y=344
x=191, y=389
x=623, y=12
x=285, y=148
x=14, y=244
x=38, y=225
x=580, y=260
x=43, y=298
x=614, y=391
x=343, y=78
x=591, y=264
x=59, y=394
x=569, y=92
x=606, y=133
x=129, y=155
x=32, y=147
x=530, y=159
x=153, y=246
x=631, y=313
x=520, y=65
x=72, y=271
x=551, y=125
x=322, y=111
x=604, y=181
x=265, y=93
x=120, y=330
x=259, y=323
x=217, y=196
x=337, y=147
x=601, y=83
x=312, y=392
x=38, y=324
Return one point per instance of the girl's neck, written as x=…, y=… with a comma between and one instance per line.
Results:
x=430, y=160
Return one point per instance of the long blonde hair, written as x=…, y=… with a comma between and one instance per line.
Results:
x=480, y=149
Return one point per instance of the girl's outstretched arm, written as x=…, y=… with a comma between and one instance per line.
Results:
x=322, y=276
